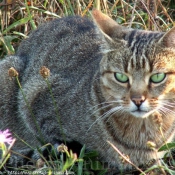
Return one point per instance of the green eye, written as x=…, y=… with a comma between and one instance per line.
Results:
x=157, y=78
x=121, y=77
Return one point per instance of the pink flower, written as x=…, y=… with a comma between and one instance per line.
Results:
x=5, y=137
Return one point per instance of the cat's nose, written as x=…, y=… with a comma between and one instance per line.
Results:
x=138, y=100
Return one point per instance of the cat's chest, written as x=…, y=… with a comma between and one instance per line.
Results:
x=133, y=132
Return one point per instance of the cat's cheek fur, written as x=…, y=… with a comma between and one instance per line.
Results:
x=165, y=90
x=111, y=88
x=169, y=90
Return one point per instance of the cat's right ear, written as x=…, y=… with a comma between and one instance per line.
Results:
x=107, y=25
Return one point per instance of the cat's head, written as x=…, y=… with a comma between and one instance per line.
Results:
x=138, y=68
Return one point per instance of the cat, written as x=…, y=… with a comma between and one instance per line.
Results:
x=109, y=82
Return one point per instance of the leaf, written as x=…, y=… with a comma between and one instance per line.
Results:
x=82, y=152
x=44, y=11
x=96, y=165
x=17, y=23
x=167, y=147
x=69, y=162
x=91, y=154
x=80, y=163
x=6, y=42
x=103, y=172
x=20, y=34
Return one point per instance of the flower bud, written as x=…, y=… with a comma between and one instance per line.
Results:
x=62, y=148
x=151, y=145
x=12, y=72
x=44, y=72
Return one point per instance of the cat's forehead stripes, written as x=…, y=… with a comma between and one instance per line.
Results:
x=140, y=39
x=136, y=64
x=142, y=45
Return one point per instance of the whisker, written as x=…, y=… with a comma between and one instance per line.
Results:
x=164, y=107
x=106, y=102
x=168, y=104
x=119, y=110
x=101, y=108
x=169, y=111
x=162, y=112
x=110, y=103
x=104, y=115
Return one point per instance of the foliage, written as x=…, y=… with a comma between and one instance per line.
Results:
x=19, y=18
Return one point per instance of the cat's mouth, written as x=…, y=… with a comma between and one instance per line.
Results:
x=140, y=113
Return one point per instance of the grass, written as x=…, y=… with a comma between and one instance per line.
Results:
x=19, y=18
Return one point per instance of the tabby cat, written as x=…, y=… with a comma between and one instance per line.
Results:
x=110, y=83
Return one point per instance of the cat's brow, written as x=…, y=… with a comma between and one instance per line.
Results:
x=107, y=72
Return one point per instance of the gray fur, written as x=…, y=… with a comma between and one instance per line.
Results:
x=82, y=59
x=68, y=79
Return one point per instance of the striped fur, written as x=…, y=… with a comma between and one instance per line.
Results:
x=137, y=54
x=102, y=80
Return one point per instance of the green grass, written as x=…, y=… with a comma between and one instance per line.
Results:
x=18, y=19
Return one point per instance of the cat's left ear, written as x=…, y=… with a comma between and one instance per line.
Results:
x=107, y=25
x=168, y=39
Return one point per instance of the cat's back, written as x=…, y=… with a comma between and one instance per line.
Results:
x=60, y=35
x=61, y=44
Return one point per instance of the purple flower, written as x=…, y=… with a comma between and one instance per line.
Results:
x=5, y=137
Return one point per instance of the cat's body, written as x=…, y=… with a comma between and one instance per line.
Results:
x=105, y=84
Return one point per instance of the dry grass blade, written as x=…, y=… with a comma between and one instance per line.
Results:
x=125, y=158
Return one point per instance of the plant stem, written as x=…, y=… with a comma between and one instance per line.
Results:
x=56, y=110
x=29, y=108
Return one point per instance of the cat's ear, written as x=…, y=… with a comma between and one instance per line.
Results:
x=168, y=39
x=107, y=25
